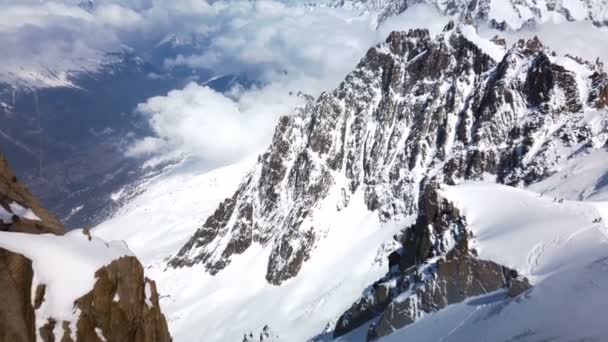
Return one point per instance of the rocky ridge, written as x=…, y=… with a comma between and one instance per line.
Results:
x=415, y=108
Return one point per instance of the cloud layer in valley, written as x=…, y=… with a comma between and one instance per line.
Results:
x=283, y=46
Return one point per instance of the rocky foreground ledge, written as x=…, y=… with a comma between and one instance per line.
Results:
x=58, y=286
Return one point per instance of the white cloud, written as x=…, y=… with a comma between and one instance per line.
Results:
x=269, y=38
x=117, y=16
x=43, y=41
x=285, y=46
x=199, y=121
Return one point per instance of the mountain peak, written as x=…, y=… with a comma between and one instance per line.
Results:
x=415, y=108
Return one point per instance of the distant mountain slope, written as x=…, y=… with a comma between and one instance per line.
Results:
x=502, y=14
x=67, y=142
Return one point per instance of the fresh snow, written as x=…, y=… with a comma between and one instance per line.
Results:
x=6, y=216
x=100, y=334
x=493, y=50
x=66, y=265
x=582, y=178
x=170, y=209
x=533, y=234
x=148, y=295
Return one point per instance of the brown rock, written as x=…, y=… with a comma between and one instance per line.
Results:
x=13, y=191
x=46, y=331
x=129, y=318
x=39, y=299
x=518, y=286
x=457, y=278
x=17, y=320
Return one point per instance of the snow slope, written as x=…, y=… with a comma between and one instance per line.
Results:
x=225, y=307
x=169, y=208
x=582, y=178
x=558, y=246
x=534, y=234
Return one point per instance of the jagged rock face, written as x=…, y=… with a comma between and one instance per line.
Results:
x=509, y=14
x=414, y=106
x=453, y=280
x=437, y=269
x=122, y=306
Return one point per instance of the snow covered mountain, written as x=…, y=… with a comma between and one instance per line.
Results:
x=356, y=174
x=501, y=14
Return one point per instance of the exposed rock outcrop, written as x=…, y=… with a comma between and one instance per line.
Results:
x=17, y=319
x=266, y=335
x=12, y=191
x=123, y=306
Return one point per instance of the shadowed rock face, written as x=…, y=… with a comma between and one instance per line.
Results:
x=414, y=106
x=437, y=269
x=17, y=320
x=122, y=306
